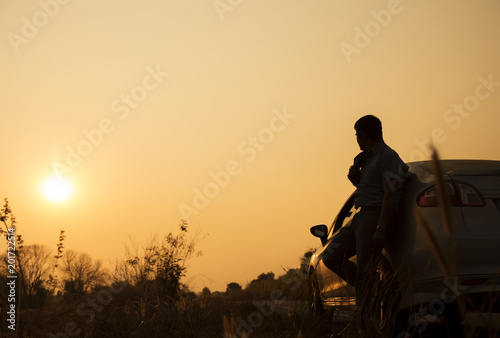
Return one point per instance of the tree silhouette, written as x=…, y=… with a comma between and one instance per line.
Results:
x=305, y=259
x=37, y=262
x=265, y=276
x=160, y=265
x=232, y=288
x=81, y=272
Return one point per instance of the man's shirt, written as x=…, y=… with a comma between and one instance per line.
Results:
x=382, y=166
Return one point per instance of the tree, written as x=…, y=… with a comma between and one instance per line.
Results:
x=265, y=277
x=233, y=287
x=81, y=272
x=38, y=263
x=169, y=268
x=306, y=259
x=206, y=292
x=161, y=264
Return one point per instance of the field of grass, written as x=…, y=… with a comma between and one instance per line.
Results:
x=127, y=311
x=271, y=308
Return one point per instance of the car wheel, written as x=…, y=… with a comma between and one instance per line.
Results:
x=387, y=297
x=316, y=301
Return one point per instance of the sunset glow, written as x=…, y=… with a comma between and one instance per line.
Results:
x=237, y=116
x=57, y=189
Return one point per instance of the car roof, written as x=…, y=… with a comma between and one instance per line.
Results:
x=461, y=167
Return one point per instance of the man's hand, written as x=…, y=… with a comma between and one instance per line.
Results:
x=354, y=175
x=378, y=240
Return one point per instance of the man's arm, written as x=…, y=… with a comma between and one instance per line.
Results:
x=388, y=205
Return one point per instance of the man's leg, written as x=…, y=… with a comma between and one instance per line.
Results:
x=336, y=255
x=364, y=228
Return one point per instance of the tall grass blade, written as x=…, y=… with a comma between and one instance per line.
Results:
x=444, y=203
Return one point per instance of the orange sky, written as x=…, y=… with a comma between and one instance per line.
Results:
x=143, y=107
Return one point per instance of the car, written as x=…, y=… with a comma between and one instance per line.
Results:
x=438, y=260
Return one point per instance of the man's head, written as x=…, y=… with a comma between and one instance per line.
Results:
x=368, y=131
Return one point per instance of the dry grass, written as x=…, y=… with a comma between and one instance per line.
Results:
x=128, y=314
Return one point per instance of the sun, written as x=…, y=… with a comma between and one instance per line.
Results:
x=57, y=189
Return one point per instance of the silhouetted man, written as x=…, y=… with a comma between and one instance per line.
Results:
x=377, y=176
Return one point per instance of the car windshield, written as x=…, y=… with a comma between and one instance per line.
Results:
x=345, y=215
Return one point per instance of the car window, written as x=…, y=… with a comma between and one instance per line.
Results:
x=348, y=218
x=344, y=216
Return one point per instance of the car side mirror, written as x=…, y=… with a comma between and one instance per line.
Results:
x=320, y=231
